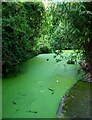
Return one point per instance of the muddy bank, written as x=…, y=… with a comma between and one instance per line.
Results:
x=77, y=102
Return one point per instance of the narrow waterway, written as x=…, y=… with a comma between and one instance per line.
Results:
x=37, y=91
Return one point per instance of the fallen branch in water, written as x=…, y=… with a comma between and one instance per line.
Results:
x=51, y=90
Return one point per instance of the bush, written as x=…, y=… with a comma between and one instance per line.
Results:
x=44, y=49
x=21, y=24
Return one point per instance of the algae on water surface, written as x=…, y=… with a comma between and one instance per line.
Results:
x=37, y=91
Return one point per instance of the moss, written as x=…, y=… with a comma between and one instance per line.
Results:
x=77, y=101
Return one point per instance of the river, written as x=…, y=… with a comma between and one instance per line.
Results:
x=36, y=93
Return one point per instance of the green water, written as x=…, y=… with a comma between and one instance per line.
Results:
x=27, y=95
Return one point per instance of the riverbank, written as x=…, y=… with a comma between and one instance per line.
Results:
x=77, y=102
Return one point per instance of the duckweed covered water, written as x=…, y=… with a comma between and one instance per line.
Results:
x=36, y=93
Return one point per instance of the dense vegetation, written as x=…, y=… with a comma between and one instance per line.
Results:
x=72, y=30
x=30, y=29
x=21, y=25
x=72, y=26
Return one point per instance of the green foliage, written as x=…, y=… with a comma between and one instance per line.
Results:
x=44, y=49
x=72, y=27
x=59, y=27
x=30, y=29
x=43, y=42
x=79, y=16
x=21, y=25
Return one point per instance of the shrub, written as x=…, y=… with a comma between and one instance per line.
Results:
x=44, y=49
x=21, y=24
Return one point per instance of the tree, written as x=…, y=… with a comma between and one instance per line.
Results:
x=21, y=25
x=72, y=29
